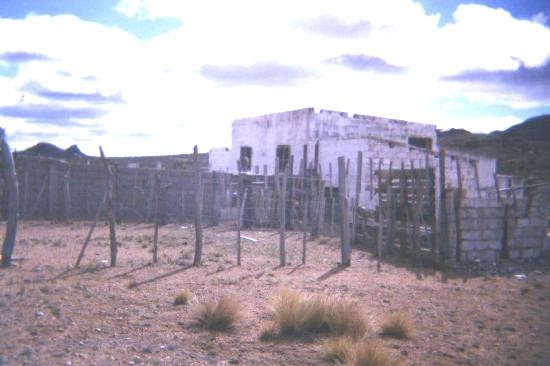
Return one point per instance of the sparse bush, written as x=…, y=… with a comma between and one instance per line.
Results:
x=182, y=297
x=397, y=325
x=218, y=316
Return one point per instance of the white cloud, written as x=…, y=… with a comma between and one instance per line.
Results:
x=168, y=100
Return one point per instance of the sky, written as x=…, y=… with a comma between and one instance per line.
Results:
x=154, y=77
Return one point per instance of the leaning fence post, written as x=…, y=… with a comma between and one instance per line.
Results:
x=11, y=183
x=110, y=214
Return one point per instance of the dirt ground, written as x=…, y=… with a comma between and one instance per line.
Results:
x=54, y=314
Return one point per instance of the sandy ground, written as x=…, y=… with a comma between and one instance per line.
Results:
x=54, y=314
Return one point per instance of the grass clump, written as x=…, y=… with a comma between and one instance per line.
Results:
x=295, y=314
x=346, y=350
x=183, y=297
x=219, y=315
x=340, y=349
x=397, y=325
x=372, y=354
x=345, y=317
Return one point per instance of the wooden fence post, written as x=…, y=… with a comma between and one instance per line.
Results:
x=391, y=209
x=304, y=204
x=67, y=194
x=282, y=218
x=109, y=206
x=380, y=219
x=457, y=206
x=11, y=185
x=357, y=194
x=345, y=237
x=443, y=228
x=156, y=214
x=197, y=208
x=240, y=208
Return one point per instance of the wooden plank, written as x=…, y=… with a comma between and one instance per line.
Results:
x=415, y=209
x=476, y=174
x=371, y=178
x=67, y=194
x=331, y=198
x=345, y=234
x=197, y=208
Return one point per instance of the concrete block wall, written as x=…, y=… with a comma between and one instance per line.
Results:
x=492, y=229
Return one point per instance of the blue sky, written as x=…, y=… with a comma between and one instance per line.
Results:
x=143, y=77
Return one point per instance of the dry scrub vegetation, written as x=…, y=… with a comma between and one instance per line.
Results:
x=172, y=313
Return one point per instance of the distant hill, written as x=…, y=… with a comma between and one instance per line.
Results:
x=49, y=150
x=523, y=149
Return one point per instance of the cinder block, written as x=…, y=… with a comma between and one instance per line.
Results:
x=530, y=253
x=515, y=254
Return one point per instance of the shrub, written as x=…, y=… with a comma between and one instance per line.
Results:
x=183, y=297
x=397, y=325
x=218, y=316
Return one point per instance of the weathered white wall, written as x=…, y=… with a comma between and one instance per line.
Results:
x=265, y=133
x=219, y=160
x=331, y=124
x=486, y=171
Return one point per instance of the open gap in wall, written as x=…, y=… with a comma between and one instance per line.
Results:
x=246, y=158
x=283, y=156
x=423, y=142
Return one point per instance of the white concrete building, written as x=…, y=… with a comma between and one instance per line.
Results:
x=257, y=142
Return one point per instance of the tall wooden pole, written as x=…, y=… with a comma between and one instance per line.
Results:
x=345, y=238
x=109, y=206
x=304, y=204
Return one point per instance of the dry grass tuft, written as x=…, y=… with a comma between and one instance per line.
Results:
x=183, y=297
x=218, y=316
x=340, y=349
x=269, y=333
x=295, y=314
x=288, y=312
x=372, y=354
x=345, y=317
x=397, y=325
x=347, y=350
